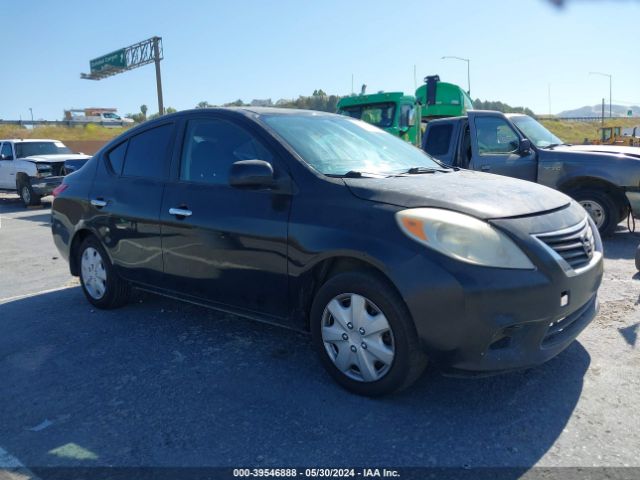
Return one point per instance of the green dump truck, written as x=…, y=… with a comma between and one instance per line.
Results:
x=405, y=115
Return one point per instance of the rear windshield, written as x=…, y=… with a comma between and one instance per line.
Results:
x=28, y=149
x=378, y=114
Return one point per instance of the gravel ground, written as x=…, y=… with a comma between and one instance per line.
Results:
x=162, y=383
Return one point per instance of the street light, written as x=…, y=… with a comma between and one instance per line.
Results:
x=468, y=71
x=605, y=75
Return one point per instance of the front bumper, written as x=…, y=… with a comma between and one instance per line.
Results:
x=634, y=201
x=485, y=320
x=45, y=186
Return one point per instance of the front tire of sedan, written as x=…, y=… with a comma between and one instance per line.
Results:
x=100, y=283
x=364, y=334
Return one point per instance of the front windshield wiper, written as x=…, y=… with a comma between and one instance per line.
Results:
x=356, y=174
x=419, y=170
x=554, y=145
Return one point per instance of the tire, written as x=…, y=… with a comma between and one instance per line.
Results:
x=340, y=295
x=27, y=195
x=100, y=283
x=601, y=207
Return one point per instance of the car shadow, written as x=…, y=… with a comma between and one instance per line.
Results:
x=622, y=244
x=164, y=383
x=10, y=203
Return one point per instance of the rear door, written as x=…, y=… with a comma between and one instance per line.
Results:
x=7, y=166
x=494, y=147
x=125, y=201
x=231, y=246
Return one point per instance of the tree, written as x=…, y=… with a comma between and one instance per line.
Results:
x=203, y=104
x=170, y=110
x=143, y=110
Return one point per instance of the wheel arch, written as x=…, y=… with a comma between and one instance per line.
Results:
x=315, y=276
x=76, y=241
x=614, y=191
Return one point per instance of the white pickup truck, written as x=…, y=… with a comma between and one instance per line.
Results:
x=100, y=116
x=33, y=167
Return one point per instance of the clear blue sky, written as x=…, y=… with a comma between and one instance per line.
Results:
x=222, y=50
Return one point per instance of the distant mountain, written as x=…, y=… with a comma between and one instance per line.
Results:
x=596, y=111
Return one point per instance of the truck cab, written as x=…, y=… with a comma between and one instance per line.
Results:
x=604, y=180
x=394, y=112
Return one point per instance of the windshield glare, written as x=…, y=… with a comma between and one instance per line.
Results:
x=335, y=145
x=28, y=149
x=534, y=131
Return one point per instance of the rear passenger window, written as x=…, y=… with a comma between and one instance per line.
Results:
x=116, y=157
x=147, y=153
x=439, y=139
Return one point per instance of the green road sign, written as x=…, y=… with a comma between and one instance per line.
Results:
x=629, y=113
x=113, y=60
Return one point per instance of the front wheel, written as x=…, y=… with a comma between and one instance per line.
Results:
x=100, y=283
x=364, y=334
x=27, y=195
x=600, y=206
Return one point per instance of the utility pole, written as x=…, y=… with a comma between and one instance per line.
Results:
x=549, y=93
x=610, y=89
x=468, y=70
x=156, y=59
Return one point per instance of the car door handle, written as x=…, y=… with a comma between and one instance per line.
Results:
x=180, y=212
x=485, y=168
x=98, y=202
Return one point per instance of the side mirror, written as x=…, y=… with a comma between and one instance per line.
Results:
x=251, y=174
x=411, y=120
x=524, y=147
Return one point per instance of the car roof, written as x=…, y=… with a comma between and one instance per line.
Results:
x=28, y=140
x=249, y=111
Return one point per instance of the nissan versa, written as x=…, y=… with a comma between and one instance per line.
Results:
x=323, y=222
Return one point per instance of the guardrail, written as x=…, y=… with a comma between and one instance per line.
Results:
x=64, y=123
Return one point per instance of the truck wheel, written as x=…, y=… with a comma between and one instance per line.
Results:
x=364, y=335
x=27, y=195
x=100, y=283
x=600, y=207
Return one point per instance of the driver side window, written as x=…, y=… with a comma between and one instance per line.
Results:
x=6, y=153
x=495, y=136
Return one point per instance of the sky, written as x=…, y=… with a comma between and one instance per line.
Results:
x=221, y=50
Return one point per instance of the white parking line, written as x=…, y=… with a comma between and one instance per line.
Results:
x=28, y=295
x=12, y=469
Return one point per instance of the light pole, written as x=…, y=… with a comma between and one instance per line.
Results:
x=605, y=75
x=468, y=70
x=31, y=111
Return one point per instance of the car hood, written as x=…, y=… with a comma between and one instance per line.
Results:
x=482, y=195
x=56, y=158
x=613, y=149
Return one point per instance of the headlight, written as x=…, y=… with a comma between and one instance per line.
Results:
x=44, y=170
x=462, y=237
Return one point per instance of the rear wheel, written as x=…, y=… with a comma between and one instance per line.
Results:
x=27, y=195
x=364, y=335
x=100, y=283
x=601, y=207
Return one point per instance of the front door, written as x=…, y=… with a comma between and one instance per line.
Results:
x=222, y=244
x=7, y=167
x=494, y=146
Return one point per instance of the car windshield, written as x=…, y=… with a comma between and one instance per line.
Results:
x=378, y=114
x=336, y=145
x=27, y=149
x=534, y=131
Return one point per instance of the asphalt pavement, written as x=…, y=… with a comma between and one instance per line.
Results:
x=164, y=383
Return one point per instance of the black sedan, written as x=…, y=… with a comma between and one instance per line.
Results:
x=325, y=223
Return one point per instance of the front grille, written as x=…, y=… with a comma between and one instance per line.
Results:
x=57, y=168
x=574, y=244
